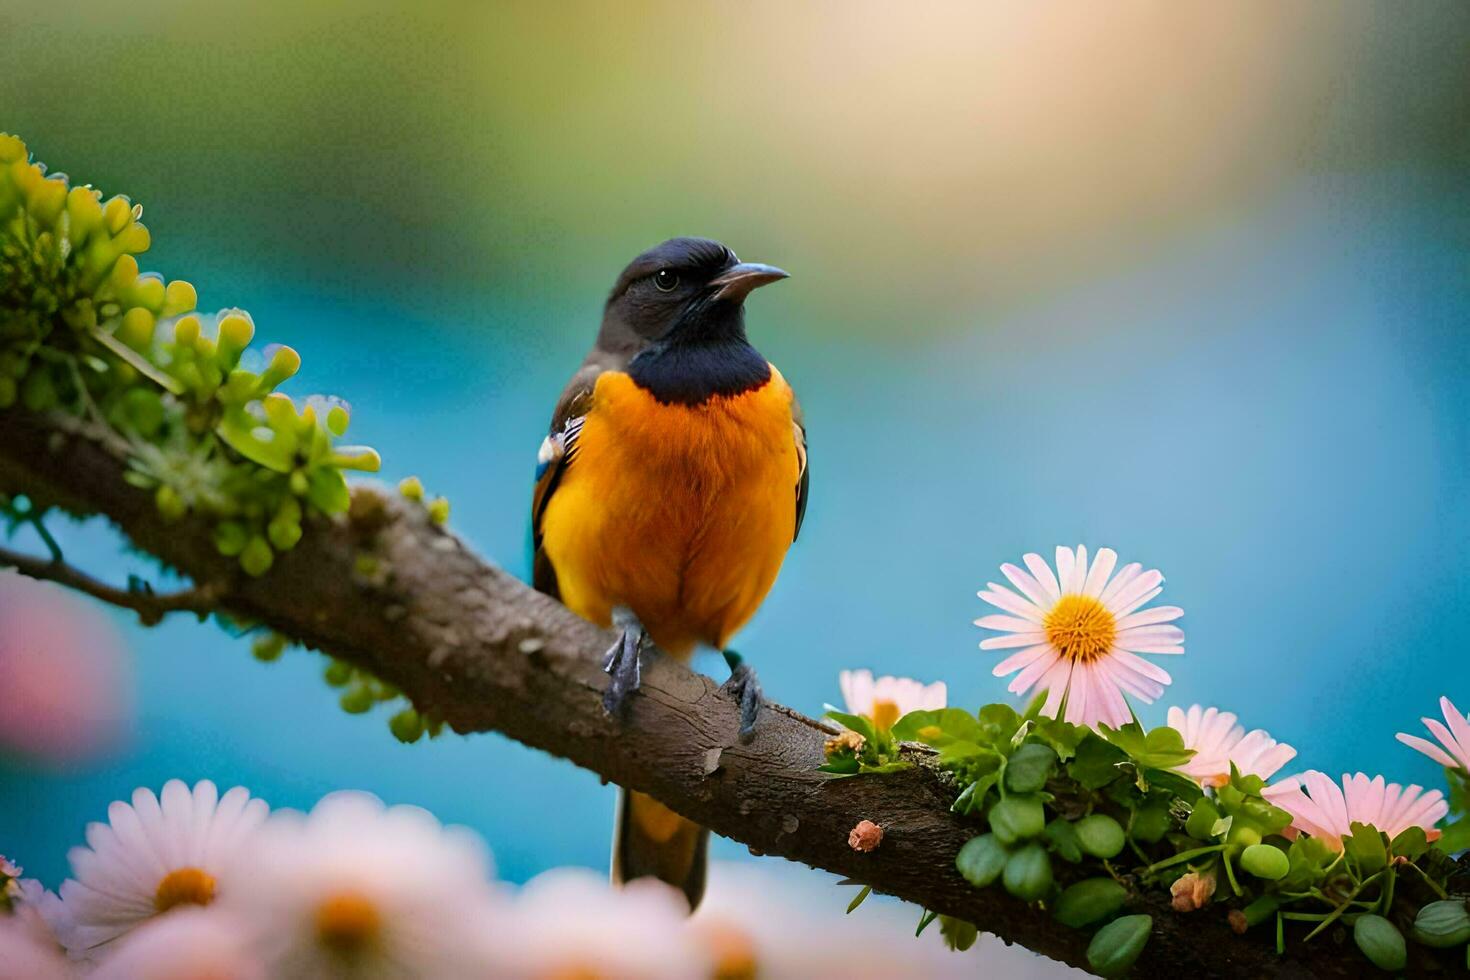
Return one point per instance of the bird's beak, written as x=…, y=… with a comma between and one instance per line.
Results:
x=736, y=282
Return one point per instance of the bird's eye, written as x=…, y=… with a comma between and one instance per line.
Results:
x=665, y=280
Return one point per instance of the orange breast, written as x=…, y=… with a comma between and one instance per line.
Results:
x=683, y=514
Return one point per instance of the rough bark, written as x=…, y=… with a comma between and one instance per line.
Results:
x=472, y=644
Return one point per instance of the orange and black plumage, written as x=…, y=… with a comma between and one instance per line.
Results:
x=670, y=486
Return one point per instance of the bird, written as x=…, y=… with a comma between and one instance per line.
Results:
x=669, y=487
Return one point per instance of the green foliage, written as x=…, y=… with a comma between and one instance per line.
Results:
x=1443, y=924
x=1117, y=945
x=1381, y=941
x=83, y=331
x=1089, y=902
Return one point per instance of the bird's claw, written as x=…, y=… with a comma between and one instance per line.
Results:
x=746, y=688
x=622, y=667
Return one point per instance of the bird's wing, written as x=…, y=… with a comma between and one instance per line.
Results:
x=558, y=450
x=803, y=480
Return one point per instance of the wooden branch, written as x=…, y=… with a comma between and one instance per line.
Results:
x=150, y=606
x=470, y=643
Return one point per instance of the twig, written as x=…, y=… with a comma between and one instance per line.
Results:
x=150, y=606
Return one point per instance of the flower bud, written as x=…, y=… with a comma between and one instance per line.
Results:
x=1192, y=891
x=257, y=557
x=179, y=297
x=136, y=329
x=412, y=489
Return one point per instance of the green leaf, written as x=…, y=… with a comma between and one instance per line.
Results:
x=1174, y=784
x=861, y=897
x=982, y=860
x=1062, y=737
x=1028, y=768
x=1456, y=836
x=841, y=767
x=1310, y=857
x=1410, y=843
x=895, y=766
x=939, y=727
x=1096, y=763
x=1202, y=819
x=1161, y=748
x=1061, y=837
x=959, y=935
x=1366, y=848
x=854, y=723
x=328, y=491
x=972, y=800
x=998, y=724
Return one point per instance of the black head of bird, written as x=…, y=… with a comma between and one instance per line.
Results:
x=679, y=309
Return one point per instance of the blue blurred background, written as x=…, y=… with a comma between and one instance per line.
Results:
x=1185, y=280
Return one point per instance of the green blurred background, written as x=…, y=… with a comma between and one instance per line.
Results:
x=1185, y=279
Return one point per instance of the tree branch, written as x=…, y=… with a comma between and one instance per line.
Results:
x=471, y=644
x=149, y=605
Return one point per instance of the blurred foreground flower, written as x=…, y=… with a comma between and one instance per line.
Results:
x=158, y=853
x=28, y=953
x=1327, y=811
x=778, y=922
x=354, y=888
x=1455, y=738
x=186, y=944
x=570, y=922
x=1081, y=630
x=887, y=699
x=63, y=676
x=1218, y=742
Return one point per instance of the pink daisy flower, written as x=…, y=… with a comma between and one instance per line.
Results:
x=1327, y=811
x=885, y=700
x=1455, y=738
x=1080, y=631
x=1218, y=741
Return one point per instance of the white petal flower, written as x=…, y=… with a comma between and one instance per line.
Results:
x=887, y=699
x=28, y=951
x=158, y=853
x=186, y=944
x=1455, y=738
x=357, y=889
x=569, y=922
x=777, y=922
x=1319, y=807
x=1078, y=633
x=1218, y=741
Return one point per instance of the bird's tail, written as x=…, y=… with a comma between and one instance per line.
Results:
x=652, y=841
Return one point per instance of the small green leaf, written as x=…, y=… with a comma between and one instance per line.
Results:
x=1410, y=844
x=1061, y=837
x=959, y=935
x=1017, y=818
x=1366, y=848
x=1090, y=901
x=861, y=897
x=1381, y=941
x=1117, y=945
x=1096, y=763
x=981, y=860
x=1028, y=768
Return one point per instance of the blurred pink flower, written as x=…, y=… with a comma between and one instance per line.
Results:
x=1327, y=811
x=1455, y=738
x=64, y=680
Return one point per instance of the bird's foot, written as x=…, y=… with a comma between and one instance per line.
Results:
x=621, y=663
x=746, y=688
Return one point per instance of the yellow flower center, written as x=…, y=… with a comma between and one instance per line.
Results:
x=186, y=886
x=573, y=971
x=348, y=923
x=1081, y=628
x=733, y=951
x=885, y=713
